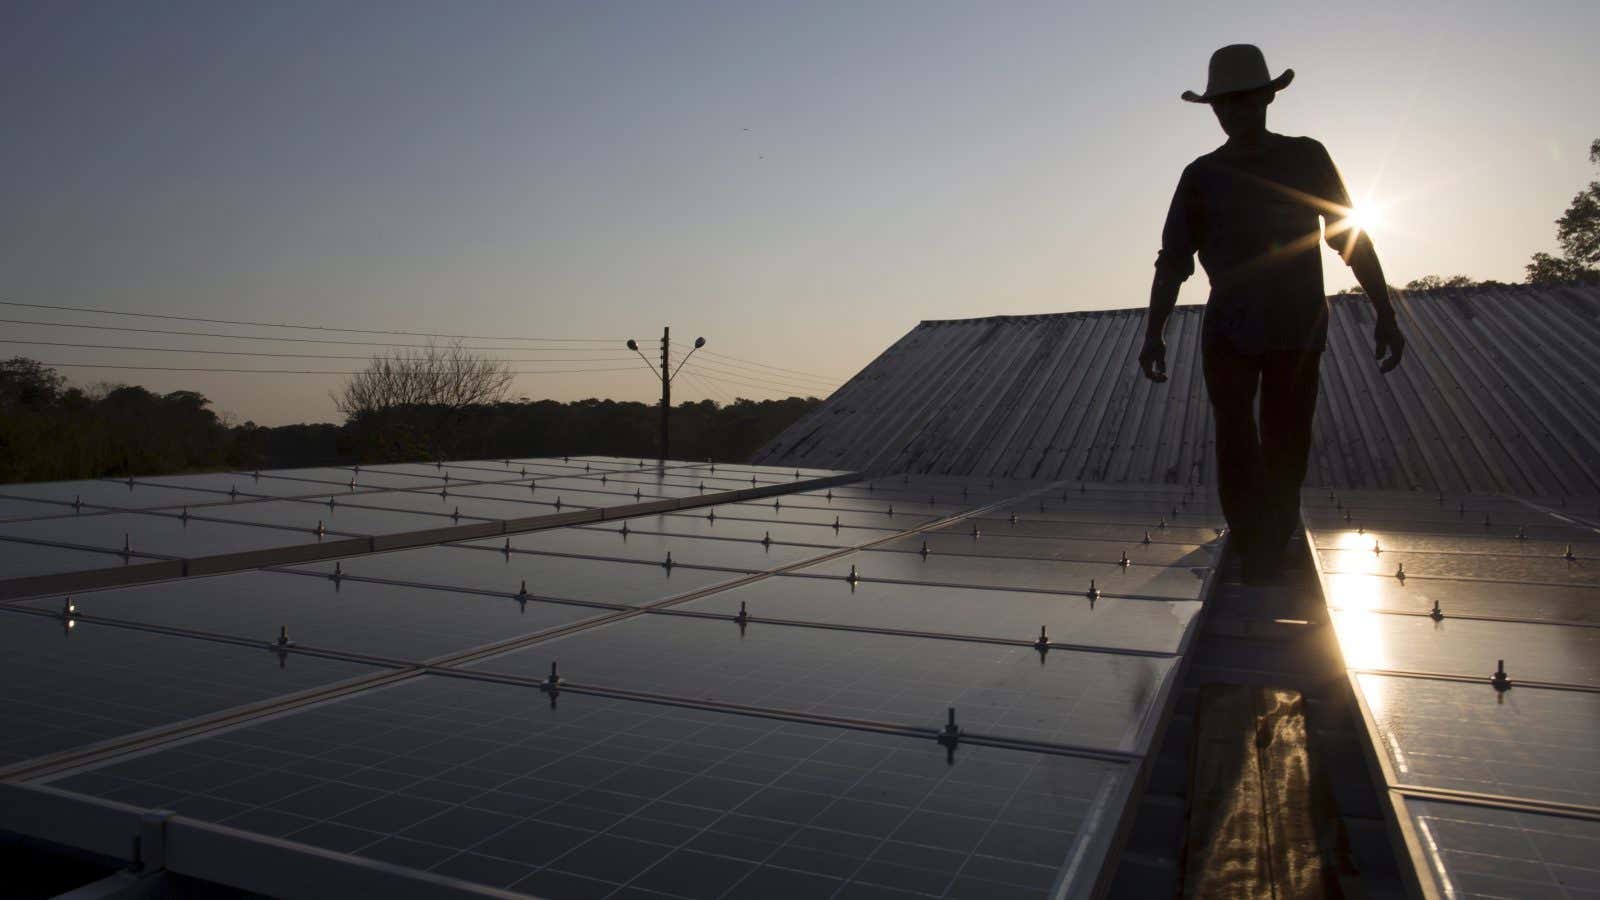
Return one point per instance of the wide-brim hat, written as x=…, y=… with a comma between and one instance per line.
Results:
x=1235, y=68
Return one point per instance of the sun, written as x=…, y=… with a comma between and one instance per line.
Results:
x=1365, y=217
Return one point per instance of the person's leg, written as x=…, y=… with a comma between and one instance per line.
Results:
x=1288, y=403
x=1231, y=381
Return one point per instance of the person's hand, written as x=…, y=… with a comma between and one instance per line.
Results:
x=1391, y=344
x=1153, y=358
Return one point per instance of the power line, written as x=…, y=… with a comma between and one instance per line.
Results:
x=55, y=365
x=290, y=340
x=784, y=380
x=763, y=365
x=768, y=388
x=754, y=380
x=280, y=355
x=473, y=337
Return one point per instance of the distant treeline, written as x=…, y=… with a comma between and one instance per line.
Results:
x=50, y=431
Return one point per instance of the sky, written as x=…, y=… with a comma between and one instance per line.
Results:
x=799, y=183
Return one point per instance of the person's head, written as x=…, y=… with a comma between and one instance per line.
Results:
x=1239, y=88
x=1243, y=114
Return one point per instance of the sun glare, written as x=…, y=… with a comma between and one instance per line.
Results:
x=1365, y=217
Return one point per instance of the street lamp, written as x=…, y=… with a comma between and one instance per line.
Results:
x=665, y=377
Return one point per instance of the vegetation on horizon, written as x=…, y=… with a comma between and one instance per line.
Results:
x=50, y=431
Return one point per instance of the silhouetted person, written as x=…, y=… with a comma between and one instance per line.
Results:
x=1250, y=208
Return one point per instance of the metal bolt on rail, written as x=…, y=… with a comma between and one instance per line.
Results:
x=1499, y=679
x=1568, y=555
x=1146, y=537
x=603, y=479
x=638, y=494
x=624, y=527
x=777, y=504
x=68, y=608
x=853, y=578
x=558, y=501
x=924, y=550
x=891, y=510
x=77, y=502
x=331, y=502
x=830, y=495
x=975, y=532
x=507, y=548
x=667, y=563
x=1522, y=533
x=1400, y=572
x=950, y=736
x=1043, y=643
x=1013, y=518
x=338, y=572
x=766, y=539
x=127, y=548
x=283, y=637
x=184, y=516
x=835, y=523
x=1436, y=613
x=711, y=514
x=321, y=530
x=1125, y=561
x=1094, y=592
x=743, y=617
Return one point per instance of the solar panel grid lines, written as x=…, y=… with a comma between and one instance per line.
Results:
x=738, y=798
x=980, y=860
x=1473, y=649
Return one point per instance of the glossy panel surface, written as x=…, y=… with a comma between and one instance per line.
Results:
x=1155, y=625
x=487, y=782
x=1476, y=852
x=353, y=616
x=68, y=687
x=648, y=547
x=1514, y=601
x=551, y=576
x=1526, y=743
x=697, y=524
x=339, y=517
x=158, y=534
x=1119, y=530
x=19, y=560
x=1077, y=698
x=1533, y=652
x=1030, y=574
x=1515, y=569
x=115, y=494
x=1001, y=545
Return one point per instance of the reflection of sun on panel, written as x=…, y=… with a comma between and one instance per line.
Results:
x=1361, y=638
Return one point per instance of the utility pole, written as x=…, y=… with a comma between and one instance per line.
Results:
x=666, y=377
x=666, y=390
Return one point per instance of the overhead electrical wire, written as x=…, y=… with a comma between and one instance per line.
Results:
x=56, y=365
x=257, y=337
x=768, y=388
x=280, y=355
x=436, y=334
x=761, y=364
x=770, y=381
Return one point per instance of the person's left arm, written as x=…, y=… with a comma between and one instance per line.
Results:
x=1354, y=246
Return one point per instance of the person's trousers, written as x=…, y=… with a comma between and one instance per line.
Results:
x=1260, y=469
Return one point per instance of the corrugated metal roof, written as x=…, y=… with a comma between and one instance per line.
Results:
x=1497, y=393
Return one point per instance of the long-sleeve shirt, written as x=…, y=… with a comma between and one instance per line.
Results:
x=1252, y=215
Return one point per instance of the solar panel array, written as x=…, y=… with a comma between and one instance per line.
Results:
x=906, y=687
x=1492, y=774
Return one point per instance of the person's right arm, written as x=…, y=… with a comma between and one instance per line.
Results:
x=1174, y=264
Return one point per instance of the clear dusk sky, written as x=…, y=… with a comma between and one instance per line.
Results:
x=800, y=183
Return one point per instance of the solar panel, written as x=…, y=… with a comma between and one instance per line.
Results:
x=461, y=777
x=109, y=494
x=71, y=683
x=407, y=623
x=1490, y=770
x=687, y=750
x=163, y=535
x=595, y=580
x=1078, y=578
x=1156, y=626
x=20, y=560
x=1090, y=699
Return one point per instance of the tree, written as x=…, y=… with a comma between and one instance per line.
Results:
x=407, y=404
x=1578, y=233
x=452, y=377
x=1434, y=282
